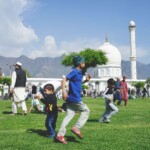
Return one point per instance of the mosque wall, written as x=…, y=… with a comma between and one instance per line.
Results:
x=94, y=83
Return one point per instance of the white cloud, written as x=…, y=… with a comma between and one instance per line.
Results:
x=48, y=49
x=14, y=35
x=51, y=49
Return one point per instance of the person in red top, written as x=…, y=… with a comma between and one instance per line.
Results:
x=124, y=90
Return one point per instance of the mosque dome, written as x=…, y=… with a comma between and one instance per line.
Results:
x=112, y=53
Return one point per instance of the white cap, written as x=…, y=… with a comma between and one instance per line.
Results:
x=18, y=63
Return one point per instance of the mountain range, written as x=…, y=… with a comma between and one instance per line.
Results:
x=47, y=67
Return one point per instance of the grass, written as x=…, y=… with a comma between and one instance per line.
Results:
x=128, y=130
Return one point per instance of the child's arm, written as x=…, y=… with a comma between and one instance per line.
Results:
x=107, y=96
x=63, y=85
x=40, y=97
x=42, y=92
x=88, y=77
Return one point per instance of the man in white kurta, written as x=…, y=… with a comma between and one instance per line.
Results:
x=18, y=88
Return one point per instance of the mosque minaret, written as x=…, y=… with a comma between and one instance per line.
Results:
x=133, y=50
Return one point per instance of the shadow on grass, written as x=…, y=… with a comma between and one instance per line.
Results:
x=71, y=139
x=37, y=112
x=44, y=132
x=92, y=120
x=38, y=131
x=7, y=112
x=10, y=112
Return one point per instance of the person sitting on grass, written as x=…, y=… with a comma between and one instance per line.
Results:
x=50, y=101
x=111, y=109
x=35, y=103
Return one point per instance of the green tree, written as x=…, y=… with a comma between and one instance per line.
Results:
x=138, y=84
x=6, y=80
x=92, y=57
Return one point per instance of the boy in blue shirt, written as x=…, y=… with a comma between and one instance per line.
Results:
x=73, y=100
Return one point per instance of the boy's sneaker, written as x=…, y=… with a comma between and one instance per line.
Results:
x=61, y=139
x=101, y=120
x=77, y=132
x=106, y=120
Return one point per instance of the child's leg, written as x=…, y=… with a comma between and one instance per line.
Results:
x=113, y=111
x=54, y=122
x=105, y=114
x=48, y=124
x=104, y=117
x=69, y=115
x=84, y=115
x=107, y=110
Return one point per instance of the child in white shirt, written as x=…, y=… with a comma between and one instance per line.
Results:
x=111, y=109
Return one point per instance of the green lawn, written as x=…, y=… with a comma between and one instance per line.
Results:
x=128, y=130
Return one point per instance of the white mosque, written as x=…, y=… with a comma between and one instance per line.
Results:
x=113, y=67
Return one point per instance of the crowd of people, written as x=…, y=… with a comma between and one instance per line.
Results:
x=115, y=92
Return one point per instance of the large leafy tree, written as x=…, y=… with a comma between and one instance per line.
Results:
x=6, y=80
x=92, y=57
x=138, y=84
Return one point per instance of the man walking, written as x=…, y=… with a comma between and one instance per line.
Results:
x=18, y=88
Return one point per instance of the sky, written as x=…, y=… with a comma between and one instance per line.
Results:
x=50, y=28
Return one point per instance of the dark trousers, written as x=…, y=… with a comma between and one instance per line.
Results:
x=50, y=123
x=117, y=96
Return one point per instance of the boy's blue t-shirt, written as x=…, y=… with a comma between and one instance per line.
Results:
x=75, y=85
